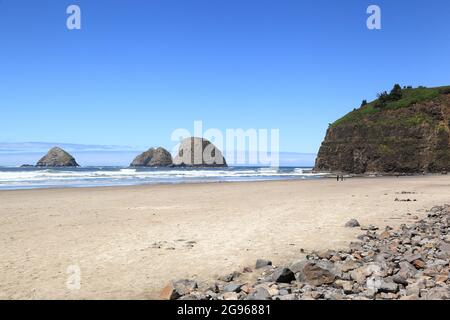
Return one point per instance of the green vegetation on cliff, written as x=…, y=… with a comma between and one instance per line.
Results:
x=404, y=131
x=399, y=99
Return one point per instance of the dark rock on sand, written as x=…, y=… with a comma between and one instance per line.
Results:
x=260, y=263
x=260, y=294
x=177, y=289
x=283, y=275
x=154, y=157
x=169, y=293
x=230, y=277
x=232, y=287
x=352, y=223
x=388, y=286
x=297, y=266
x=57, y=157
x=198, y=152
x=314, y=275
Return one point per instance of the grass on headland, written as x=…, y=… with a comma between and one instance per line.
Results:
x=408, y=97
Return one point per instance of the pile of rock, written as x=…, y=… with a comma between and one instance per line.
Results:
x=410, y=263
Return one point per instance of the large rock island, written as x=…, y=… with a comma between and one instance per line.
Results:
x=57, y=157
x=199, y=152
x=405, y=131
x=154, y=157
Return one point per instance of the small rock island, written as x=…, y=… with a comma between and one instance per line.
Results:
x=57, y=157
x=199, y=152
x=154, y=157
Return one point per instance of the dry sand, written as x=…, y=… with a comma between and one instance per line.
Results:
x=130, y=241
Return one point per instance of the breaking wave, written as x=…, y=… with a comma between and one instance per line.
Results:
x=24, y=178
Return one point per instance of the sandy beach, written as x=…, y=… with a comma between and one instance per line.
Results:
x=129, y=242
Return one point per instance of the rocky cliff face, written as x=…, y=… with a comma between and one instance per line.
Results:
x=198, y=152
x=408, y=136
x=57, y=157
x=158, y=157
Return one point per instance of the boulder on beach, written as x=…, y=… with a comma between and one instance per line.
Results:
x=352, y=223
x=199, y=152
x=57, y=157
x=154, y=157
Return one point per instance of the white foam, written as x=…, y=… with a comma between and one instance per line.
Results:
x=111, y=176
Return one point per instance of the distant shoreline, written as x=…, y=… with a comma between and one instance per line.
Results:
x=44, y=178
x=30, y=178
x=206, y=183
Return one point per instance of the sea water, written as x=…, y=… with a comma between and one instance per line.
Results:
x=29, y=178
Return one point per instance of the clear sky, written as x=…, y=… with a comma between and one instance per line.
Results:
x=139, y=69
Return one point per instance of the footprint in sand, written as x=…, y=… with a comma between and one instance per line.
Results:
x=174, y=245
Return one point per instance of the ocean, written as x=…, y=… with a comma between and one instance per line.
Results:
x=35, y=178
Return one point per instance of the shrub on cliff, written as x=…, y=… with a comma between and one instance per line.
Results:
x=396, y=93
x=383, y=98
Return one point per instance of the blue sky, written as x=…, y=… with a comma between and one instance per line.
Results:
x=139, y=69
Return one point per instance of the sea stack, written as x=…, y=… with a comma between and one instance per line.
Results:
x=199, y=152
x=57, y=157
x=406, y=131
x=154, y=157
